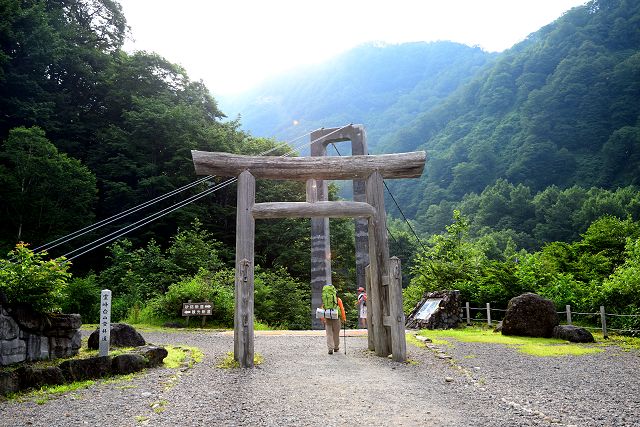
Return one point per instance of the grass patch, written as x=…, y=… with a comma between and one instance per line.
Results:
x=159, y=406
x=228, y=362
x=541, y=347
x=626, y=343
x=411, y=339
x=45, y=393
x=180, y=355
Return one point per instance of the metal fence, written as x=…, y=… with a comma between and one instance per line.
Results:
x=598, y=318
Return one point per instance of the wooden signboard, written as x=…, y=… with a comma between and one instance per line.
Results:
x=197, y=309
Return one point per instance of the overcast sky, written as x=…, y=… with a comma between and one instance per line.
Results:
x=234, y=44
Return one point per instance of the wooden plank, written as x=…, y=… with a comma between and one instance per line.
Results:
x=370, y=331
x=396, y=312
x=379, y=262
x=340, y=209
x=402, y=165
x=243, y=292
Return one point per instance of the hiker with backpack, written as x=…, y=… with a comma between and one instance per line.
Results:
x=330, y=313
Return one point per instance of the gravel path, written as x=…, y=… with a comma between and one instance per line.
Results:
x=298, y=384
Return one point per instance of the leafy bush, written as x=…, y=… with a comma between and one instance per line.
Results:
x=82, y=296
x=280, y=300
x=26, y=278
x=216, y=288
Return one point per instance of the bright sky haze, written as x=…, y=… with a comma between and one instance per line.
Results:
x=235, y=44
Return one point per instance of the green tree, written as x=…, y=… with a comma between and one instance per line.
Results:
x=27, y=278
x=450, y=261
x=43, y=193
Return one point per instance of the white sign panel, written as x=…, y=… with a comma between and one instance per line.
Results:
x=428, y=308
x=105, y=322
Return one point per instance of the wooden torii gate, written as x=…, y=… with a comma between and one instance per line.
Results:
x=386, y=326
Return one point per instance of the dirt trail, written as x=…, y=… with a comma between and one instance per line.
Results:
x=299, y=384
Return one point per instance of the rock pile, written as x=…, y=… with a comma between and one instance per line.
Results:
x=29, y=336
x=446, y=316
x=28, y=377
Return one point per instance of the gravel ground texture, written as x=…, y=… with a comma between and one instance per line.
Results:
x=299, y=384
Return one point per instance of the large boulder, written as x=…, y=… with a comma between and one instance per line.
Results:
x=27, y=319
x=86, y=369
x=122, y=335
x=9, y=382
x=445, y=316
x=37, y=347
x=62, y=324
x=60, y=347
x=572, y=333
x=8, y=328
x=530, y=315
x=152, y=354
x=31, y=377
x=12, y=351
x=123, y=364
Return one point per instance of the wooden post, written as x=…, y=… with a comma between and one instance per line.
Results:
x=245, y=234
x=396, y=312
x=189, y=301
x=489, y=314
x=468, y=314
x=379, y=262
x=370, y=330
x=603, y=320
x=568, y=307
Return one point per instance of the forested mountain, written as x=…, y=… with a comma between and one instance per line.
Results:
x=510, y=137
x=382, y=86
x=559, y=109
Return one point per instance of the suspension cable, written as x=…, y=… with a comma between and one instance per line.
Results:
x=150, y=218
x=147, y=220
x=106, y=221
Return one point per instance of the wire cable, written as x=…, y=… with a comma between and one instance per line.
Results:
x=106, y=221
x=144, y=221
x=150, y=218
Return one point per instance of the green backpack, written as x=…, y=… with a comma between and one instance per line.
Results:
x=329, y=297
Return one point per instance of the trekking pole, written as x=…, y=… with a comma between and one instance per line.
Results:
x=344, y=328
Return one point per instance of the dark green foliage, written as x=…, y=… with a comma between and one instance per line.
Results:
x=598, y=269
x=42, y=192
x=136, y=275
x=280, y=300
x=216, y=288
x=559, y=109
x=82, y=296
x=531, y=220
